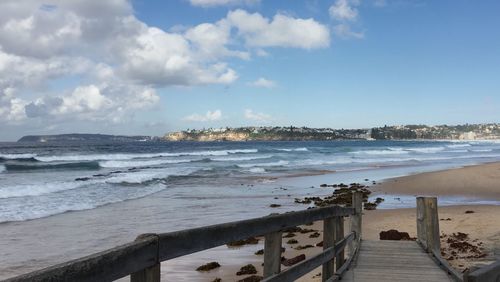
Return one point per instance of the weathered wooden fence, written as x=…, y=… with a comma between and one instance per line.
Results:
x=428, y=236
x=141, y=259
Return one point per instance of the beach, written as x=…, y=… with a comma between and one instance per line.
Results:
x=473, y=182
x=64, y=202
x=479, y=222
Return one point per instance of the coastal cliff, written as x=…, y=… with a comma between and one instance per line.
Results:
x=267, y=134
x=398, y=132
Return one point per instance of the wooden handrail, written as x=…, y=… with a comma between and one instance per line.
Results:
x=489, y=273
x=181, y=243
x=310, y=264
x=108, y=265
x=142, y=257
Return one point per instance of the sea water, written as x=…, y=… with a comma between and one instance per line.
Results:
x=39, y=180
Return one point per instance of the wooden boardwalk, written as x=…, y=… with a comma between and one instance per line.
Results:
x=391, y=261
x=394, y=261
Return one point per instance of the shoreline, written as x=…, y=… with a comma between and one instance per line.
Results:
x=472, y=181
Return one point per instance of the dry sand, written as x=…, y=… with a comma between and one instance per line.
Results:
x=482, y=226
x=480, y=181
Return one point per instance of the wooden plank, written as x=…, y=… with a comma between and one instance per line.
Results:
x=149, y=274
x=432, y=225
x=489, y=273
x=387, y=261
x=310, y=264
x=104, y=266
x=328, y=241
x=180, y=243
x=356, y=219
x=420, y=222
x=272, y=254
x=339, y=234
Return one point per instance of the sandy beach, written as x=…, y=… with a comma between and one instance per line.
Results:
x=478, y=182
x=479, y=222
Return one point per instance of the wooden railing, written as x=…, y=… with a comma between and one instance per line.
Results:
x=141, y=259
x=428, y=237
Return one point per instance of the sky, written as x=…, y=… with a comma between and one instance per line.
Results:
x=147, y=67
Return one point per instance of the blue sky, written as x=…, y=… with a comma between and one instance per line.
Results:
x=148, y=67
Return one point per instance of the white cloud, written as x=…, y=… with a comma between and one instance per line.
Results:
x=209, y=116
x=162, y=59
x=212, y=3
x=263, y=82
x=343, y=10
x=258, y=117
x=103, y=44
x=344, y=31
x=111, y=62
x=95, y=103
x=345, y=13
x=281, y=31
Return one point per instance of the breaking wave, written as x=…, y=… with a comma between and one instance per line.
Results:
x=279, y=163
x=92, y=165
x=118, y=157
x=303, y=149
x=139, y=163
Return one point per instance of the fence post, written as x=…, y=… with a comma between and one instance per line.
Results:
x=428, y=224
x=339, y=235
x=272, y=253
x=421, y=233
x=328, y=241
x=356, y=220
x=150, y=274
x=432, y=225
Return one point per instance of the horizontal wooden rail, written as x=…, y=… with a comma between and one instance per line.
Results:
x=148, y=251
x=309, y=265
x=489, y=273
x=108, y=265
x=341, y=270
x=180, y=243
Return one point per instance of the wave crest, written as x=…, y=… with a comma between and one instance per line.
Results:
x=92, y=165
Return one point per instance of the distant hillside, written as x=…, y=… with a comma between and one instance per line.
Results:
x=449, y=132
x=276, y=133
x=291, y=133
x=83, y=138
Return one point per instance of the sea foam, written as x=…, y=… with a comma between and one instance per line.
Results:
x=39, y=189
x=140, y=163
x=117, y=157
x=302, y=149
x=278, y=163
x=16, y=156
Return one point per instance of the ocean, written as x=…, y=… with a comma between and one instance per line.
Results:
x=39, y=180
x=62, y=201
